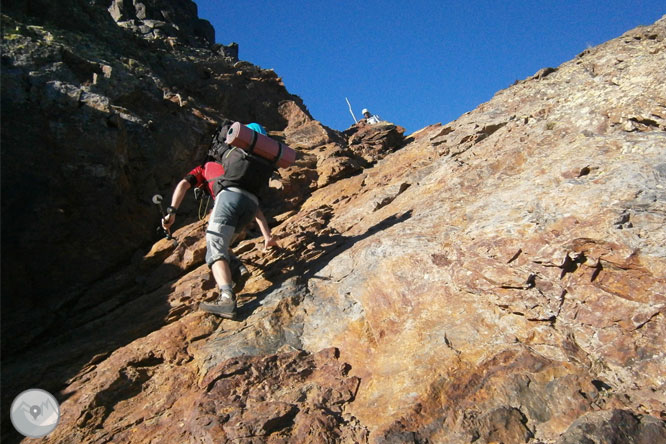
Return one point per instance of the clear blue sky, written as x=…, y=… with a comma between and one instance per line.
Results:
x=416, y=62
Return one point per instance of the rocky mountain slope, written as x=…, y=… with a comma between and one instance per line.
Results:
x=496, y=279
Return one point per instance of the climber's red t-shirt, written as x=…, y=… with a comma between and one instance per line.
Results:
x=205, y=175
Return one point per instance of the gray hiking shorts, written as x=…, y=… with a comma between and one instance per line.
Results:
x=233, y=210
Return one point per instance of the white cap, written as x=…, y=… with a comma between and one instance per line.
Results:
x=365, y=110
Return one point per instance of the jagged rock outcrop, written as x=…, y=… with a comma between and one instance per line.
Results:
x=499, y=278
x=373, y=142
x=155, y=19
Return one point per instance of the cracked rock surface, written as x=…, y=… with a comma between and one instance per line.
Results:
x=500, y=278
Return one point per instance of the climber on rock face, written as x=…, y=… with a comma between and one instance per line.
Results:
x=234, y=184
x=369, y=118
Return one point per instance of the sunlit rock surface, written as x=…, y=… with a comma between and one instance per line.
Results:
x=500, y=278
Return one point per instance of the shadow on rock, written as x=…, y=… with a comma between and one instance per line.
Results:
x=303, y=267
x=112, y=313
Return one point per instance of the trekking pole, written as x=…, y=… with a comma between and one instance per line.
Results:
x=157, y=200
x=350, y=110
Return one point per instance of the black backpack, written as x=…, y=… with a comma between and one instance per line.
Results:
x=245, y=171
x=241, y=169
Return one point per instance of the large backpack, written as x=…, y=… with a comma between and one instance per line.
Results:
x=245, y=171
x=241, y=169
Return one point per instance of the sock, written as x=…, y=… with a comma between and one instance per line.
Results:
x=226, y=287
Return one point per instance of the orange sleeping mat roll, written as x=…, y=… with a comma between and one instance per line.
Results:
x=243, y=137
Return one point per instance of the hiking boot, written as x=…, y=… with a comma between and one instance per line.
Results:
x=244, y=275
x=224, y=306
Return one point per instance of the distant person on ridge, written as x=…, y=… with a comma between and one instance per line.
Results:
x=370, y=118
x=235, y=206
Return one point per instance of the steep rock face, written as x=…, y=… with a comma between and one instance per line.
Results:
x=498, y=279
x=97, y=119
x=520, y=261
